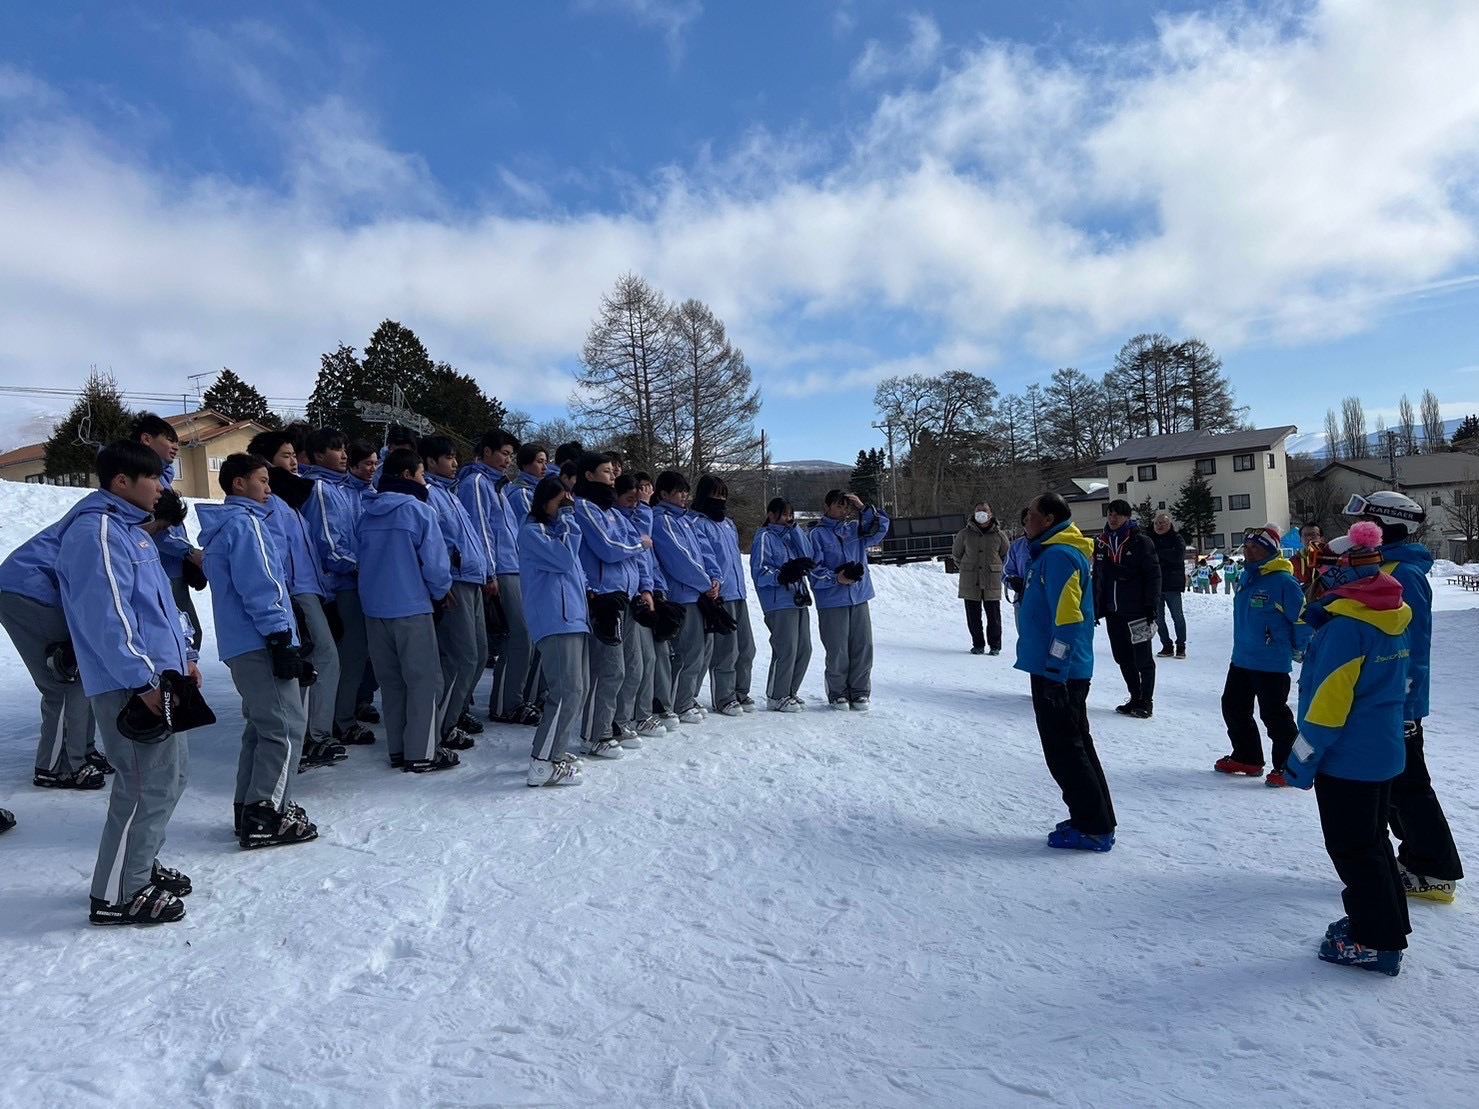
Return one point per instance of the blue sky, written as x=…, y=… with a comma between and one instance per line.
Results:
x=859, y=188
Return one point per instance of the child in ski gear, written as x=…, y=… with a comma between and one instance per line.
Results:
x=549, y=558
x=634, y=707
x=781, y=556
x=690, y=570
x=1352, y=690
x=129, y=639
x=1056, y=647
x=1427, y=857
x=843, y=587
x=405, y=577
x=733, y=657
x=1231, y=570
x=1127, y=595
x=1267, y=632
x=1201, y=578
x=979, y=550
x=256, y=636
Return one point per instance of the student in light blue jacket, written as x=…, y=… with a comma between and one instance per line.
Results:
x=128, y=637
x=843, y=584
x=330, y=516
x=257, y=638
x=175, y=548
x=405, y=578
x=733, y=655
x=690, y=570
x=462, y=633
x=634, y=703
x=31, y=612
x=781, y=556
x=554, y=582
x=614, y=558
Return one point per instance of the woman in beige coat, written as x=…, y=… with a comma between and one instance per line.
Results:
x=980, y=551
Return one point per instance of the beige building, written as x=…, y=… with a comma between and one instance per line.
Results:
x=1247, y=470
x=206, y=438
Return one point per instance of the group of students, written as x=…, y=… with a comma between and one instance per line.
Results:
x=334, y=569
x=1361, y=628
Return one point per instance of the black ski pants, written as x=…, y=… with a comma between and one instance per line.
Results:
x=1353, y=816
x=1417, y=819
x=1068, y=749
x=1271, y=692
x=992, y=636
x=1136, y=660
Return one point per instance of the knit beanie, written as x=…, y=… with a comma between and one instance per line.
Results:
x=1266, y=537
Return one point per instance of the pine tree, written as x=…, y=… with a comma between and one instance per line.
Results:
x=866, y=479
x=236, y=399
x=1193, y=509
x=456, y=404
x=394, y=358
x=97, y=418
x=334, y=393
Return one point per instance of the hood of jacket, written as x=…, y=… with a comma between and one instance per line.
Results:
x=323, y=473
x=391, y=501
x=1414, y=554
x=1274, y=565
x=214, y=516
x=100, y=501
x=1065, y=534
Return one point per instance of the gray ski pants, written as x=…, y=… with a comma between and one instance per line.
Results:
x=662, y=676
x=354, y=649
x=408, y=664
x=67, y=727
x=790, y=651
x=150, y=779
x=462, y=648
x=566, y=661
x=319, y=698
x=847, y=638
x=511, y=670
x=608, y=673
x=272, y=737
x=690, y=658
x=732, y=657
x=635, y=704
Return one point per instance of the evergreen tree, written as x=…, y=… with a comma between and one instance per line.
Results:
x=1145, y=513
x=866, y=479
x=334, y=393
x=1193, y=508
x=1466, y=435
x=97, y=418
x=456, y=403
x=234, y=398
x=394, y=357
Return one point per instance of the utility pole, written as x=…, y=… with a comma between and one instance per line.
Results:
x=1392, y=459
x=887, y=427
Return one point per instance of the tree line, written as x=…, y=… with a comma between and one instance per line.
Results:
x=1416, y=431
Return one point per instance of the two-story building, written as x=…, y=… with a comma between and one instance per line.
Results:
x=1248, y=472
x=206, y=438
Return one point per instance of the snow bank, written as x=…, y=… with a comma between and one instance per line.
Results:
x=830, y=909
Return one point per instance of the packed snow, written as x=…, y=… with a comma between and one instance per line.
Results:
x=826, y=909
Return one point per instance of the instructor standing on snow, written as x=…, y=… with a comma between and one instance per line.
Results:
x=1127, y=593
x=980, y=551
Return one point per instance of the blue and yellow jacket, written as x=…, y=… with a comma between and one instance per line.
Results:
x=249, y=580
x=1354, y=682
x=1055, y=638
x=1267, y=628
x=1409, y=563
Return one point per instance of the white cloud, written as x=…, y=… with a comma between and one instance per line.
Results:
x=921, y=50
x=1243, y=180
x=671, y=17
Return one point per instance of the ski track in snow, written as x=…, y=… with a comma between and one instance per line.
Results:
x=823, y=909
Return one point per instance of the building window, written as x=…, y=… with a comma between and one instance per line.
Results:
x=1214, y=540
x=1437, y=499
x=1160, y=504
x=1144, y=473
x=1272, y=465
x=1239, y=502
x=1216, y=504
x=1242, y=462
x=1206, y=466
x=1123, y=488
x=213, y=463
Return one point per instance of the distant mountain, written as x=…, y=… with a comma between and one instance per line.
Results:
x=1314, y=442
x=812, y=464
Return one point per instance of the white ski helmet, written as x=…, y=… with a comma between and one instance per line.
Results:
x=1387, y=507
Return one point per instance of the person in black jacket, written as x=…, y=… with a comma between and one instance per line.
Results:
x=1170, y=549
x=1127, y=593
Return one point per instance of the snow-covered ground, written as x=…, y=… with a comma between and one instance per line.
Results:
x=819, y=910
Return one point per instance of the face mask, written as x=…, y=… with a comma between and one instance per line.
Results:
x=983, y=517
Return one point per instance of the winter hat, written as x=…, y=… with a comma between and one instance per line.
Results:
x=1268, y=537
x=1352, y=556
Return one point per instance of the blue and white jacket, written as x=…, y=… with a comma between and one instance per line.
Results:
x=773, y=546
x=552, y=579
x=470, y=563
x=330, y=515
x=249, y=590
x=30, y=570
x=519, y=490
x=1409, y=563
x=491, y=514
x=613, y=558
x=839, y=541
x=116, y=597
x=1267, y=628
x=687, y=564
x=299, y=562
x=1055, y=626
x=404, y=563
x=722, y=539
x=357, y=491
x=639, y=518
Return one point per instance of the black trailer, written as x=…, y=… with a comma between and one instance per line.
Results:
x=919, y=539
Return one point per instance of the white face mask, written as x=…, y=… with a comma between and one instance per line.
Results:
x=982, y=517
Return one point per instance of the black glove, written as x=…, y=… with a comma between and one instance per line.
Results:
x=1016, y=584
x=716, y=620
x=438, y=608
x=854, y=570
x=670, y=616
x=194, y=576
x=606, y=611
x=643, y=613
x=793, y=571
x=1056, y=695
x=288, y=661
x=169, y=508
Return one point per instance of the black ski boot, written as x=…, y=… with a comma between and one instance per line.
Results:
x=150, y=905
x=442, y=760
x=171, y=881
x=264, y=826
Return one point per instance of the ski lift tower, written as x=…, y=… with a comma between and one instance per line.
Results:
x=396, y=412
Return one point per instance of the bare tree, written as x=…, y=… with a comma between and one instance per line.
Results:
x=1353, y=428
x=1406, y=427
x=1432, y=419
x=961, y=413
x=1011, y=417
x=1463, y=516
x=1205, y=396
x=1069, y=419
x=716, y=405
x=626, y=383
x=1332, y=434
